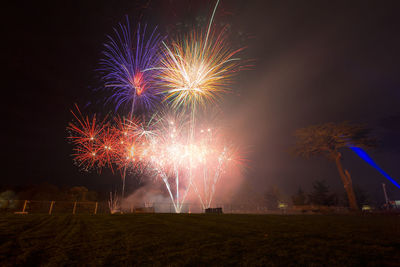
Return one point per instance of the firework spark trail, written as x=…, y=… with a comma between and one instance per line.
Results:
x=216, y=155
x=217, y=175
x=209, y=24
x=169, y=155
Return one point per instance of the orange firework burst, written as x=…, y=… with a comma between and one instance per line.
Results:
x=127, y=143
x=197, y=68
x=84, y=129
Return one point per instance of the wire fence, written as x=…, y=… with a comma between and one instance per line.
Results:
x=88, y=207
x=103, y=207
x=52, y=207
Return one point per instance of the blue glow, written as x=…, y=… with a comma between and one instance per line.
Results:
x=362, y=154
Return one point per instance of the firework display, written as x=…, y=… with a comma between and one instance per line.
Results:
x=167, y=144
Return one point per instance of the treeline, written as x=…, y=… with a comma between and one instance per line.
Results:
x=319, y=195
x=49, y=192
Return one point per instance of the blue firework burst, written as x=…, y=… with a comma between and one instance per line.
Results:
x=129, y=67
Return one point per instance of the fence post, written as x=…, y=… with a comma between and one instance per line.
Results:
x=51, y=207
x=95, y=208
x=26, y=201
x=74, y=209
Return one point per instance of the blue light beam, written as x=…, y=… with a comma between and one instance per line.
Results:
x=362, y=154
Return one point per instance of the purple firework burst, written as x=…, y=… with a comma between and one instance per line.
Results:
x=129, y=67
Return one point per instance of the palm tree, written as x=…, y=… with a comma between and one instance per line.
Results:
x=326, y=139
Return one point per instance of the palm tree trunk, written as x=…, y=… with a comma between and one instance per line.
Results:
x=348, y=185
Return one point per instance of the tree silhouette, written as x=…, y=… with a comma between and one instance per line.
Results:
x=273, y=197
x=326, y=139
x=300, y=198
x=321, y=194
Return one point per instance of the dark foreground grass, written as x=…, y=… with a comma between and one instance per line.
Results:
x=170, y=239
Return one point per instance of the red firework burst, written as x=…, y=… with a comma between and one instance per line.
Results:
x=85, y=133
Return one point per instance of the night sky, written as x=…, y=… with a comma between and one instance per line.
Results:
x=314, y=62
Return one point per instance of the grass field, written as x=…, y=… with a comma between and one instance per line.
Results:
x=171, y=239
